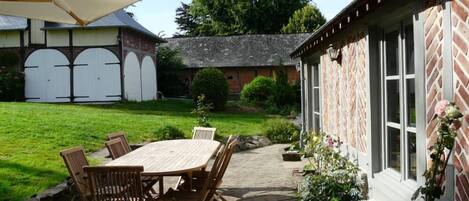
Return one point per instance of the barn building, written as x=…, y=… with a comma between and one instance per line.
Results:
x=372, y=76
x=111, y=59
x=240, y=58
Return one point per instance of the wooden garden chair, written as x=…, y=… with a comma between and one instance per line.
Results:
x=211, y=182
x=120, y=135
x=117, y=149
x=203, y=133
x=120, y=183
x=75, y=160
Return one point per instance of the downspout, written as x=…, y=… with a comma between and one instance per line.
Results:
x=303, y=112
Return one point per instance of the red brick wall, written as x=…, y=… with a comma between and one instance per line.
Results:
x=460, y=25
x=433, y=31
x=140, y=44
x=237, y=77
x=344, y=92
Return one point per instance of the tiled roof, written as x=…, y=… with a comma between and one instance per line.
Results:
x=237, y=51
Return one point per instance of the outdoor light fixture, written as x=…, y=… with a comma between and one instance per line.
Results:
x=333, y=53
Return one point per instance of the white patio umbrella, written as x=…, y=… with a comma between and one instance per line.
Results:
x=81, y=12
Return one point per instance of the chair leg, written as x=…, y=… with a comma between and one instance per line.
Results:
x=219, y=196
x=177, y=183
x=161, y=186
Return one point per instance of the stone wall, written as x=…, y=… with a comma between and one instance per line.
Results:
x=344, y=92
x=460, y=47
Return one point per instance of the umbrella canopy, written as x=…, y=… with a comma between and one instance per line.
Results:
x=80, y=12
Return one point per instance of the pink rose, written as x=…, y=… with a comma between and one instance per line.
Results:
x=330, y=142
x=440, y=108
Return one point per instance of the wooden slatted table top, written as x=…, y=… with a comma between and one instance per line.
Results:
x=170, y=158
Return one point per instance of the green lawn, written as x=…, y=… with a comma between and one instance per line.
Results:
x=31, y=135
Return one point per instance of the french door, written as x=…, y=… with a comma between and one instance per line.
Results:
x=399, y=101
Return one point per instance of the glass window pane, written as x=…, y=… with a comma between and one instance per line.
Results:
x=393, y=105
x=412, y=148
x=394, y=149
x=316, y=100
x=409, y=48
x=316, y=75
x=317, y=122
x=392, y=55
x=411, y=113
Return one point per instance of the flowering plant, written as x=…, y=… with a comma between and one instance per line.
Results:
x=329, y=176
x=449, y=117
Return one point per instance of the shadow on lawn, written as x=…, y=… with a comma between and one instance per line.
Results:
x=17, y=176
x=168, y=108
x=159, y=107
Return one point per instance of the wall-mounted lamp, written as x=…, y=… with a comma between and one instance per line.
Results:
x=333, y=53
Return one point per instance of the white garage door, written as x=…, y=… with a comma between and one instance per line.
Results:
x=96, y=76
x=47, y=77
x=132, y=78
x=148, y=79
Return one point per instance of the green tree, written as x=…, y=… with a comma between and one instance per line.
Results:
x=306, y=20
x=169, y=69
x=222, y=17
x=185, y=20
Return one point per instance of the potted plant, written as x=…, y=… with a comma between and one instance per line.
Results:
x=292, y=153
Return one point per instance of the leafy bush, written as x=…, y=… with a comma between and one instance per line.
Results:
x=11, y=81
x=281, y=131
x=170, y=67
x=211, y=82
x=331, y=177
x=283, y=94
x=258, y=91
x=168, y=133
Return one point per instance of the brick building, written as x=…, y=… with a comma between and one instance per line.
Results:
x=240, y=58
x=396, y=60
x=108, y=60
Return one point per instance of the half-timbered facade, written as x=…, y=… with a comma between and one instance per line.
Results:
x=396, y=59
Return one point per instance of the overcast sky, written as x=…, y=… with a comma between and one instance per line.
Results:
x=158, y=15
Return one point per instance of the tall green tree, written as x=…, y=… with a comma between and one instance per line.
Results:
x=185, y=20
x=234, y=17
x=169, y=69
x=306, y=20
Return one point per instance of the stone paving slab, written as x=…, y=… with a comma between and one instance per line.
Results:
x=260, y=174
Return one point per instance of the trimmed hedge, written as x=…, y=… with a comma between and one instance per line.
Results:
x=168, y=133
x=258, y=91
x=281, y=131
x=211, y=82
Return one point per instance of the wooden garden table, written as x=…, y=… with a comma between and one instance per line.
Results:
x=170, y=158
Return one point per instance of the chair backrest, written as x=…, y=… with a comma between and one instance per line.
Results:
x=203, y=133
x=120, y=135
x=209, y=182
x=218, y=169
x=115, y=183
x=231, y=146
x=116, y=148
x=75, y=160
